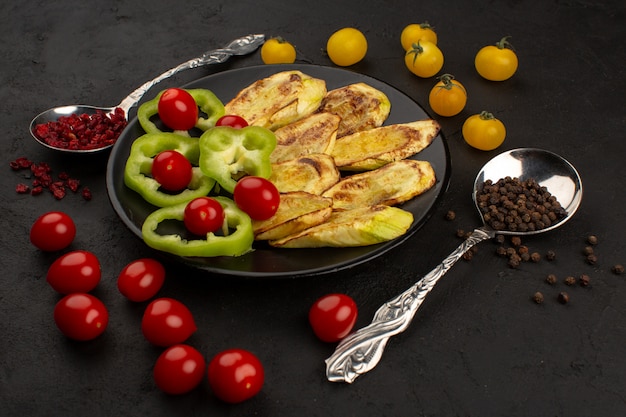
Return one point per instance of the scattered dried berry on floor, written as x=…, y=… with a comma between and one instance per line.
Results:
x=42, y=179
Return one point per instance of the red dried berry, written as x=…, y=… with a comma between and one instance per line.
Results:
x=86, y=193
x=83, y=131
x=22, y=189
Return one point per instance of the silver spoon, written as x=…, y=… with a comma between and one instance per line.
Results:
x=241, y=46
x=361, y=351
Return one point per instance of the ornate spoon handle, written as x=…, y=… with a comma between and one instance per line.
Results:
x=361, y=351
x=239, y=46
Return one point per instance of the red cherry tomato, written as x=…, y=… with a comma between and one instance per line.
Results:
x=77, y=271
x=172, y=170
x=81, y=316
x=203, y=215
x=232, y=120
x=333, y=316
x=177, y=109
x=235, y=375
x=179, y=369
x=141, y=279
x=257, y=196
x=167, y=322
x=53, y=231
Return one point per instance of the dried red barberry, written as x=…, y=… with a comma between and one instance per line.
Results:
x=83, y=131
x=42, y=179
x=86, y=193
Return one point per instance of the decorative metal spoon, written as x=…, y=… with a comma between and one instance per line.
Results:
x=241, y=46
x=361, y=351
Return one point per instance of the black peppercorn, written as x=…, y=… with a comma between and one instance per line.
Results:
x=618, y=269
x=535, y=257
x=538, y=297
x=563, y=298
x=570, y=280
x=592, y=240
x=588, y=251
x=501, y=251
x=551, y=255
x=450, y=215
x=460, y=233
x=551, y=279
x=584, y=280
x=516, y=240
x=592, y=259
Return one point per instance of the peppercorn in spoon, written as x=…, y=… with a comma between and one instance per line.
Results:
x=520, y=192
x=46, y=127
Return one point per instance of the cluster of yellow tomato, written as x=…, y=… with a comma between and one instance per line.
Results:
x=448, y=97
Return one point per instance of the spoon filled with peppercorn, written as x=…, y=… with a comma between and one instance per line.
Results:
x=88, y=129
x=519, y=192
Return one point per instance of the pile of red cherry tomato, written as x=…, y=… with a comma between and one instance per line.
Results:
x=234, y=375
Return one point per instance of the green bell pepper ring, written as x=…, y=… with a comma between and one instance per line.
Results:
x=234, y=244
x=139, y=167
x=208, y=102
x=227, y=154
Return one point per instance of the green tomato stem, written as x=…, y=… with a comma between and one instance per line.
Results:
x=485, y=115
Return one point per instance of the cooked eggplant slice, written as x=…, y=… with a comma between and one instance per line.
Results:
x=312, y=173
x=358, y=227
x=360, y=106
x=390, y=185
x=313, y=134
x=278, y=100
x=371, y=149
x=297, y=211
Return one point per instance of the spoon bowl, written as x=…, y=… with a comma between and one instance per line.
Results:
x=53, y=115
x=361, y=351
x=547, y=168
x=240, y=46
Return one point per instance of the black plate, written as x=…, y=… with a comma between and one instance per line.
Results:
x=266, y=261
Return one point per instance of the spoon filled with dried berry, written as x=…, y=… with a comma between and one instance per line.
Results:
x=519, y=192
x=88, y=129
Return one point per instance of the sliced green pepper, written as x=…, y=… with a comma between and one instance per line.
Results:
x=139, y=167
x=234, y=244
x=227, y=154
x=208, y=102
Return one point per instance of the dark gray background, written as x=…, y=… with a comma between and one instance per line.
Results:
x=479, y=345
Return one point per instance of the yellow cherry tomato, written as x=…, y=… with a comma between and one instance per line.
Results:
x=496, y=62
x=346, y=47
x=416, y=31
x=278, y=51
x=448, y=97
x=483, y=131
x=424, y=59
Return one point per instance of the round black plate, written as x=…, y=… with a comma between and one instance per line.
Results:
x=265, y=261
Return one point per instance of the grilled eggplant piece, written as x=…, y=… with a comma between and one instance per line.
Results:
x=391, y=184
x=312, y=173
x=371, y=149
x=360, y=106
x=313, y=134
x=278, y=100
x=358, y=227
x=297, y=211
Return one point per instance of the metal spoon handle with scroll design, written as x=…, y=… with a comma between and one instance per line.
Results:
x=361, y=351
x=240, y=46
